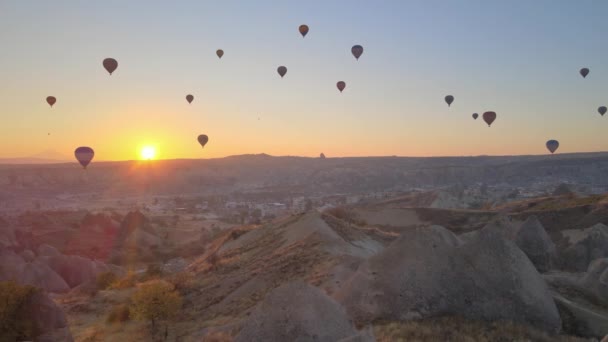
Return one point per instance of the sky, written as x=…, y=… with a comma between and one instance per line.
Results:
x=518, y=58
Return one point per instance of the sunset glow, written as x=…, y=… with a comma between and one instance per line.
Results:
x=393, y=103
x=148, y=153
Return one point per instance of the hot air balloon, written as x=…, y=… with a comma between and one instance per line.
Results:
x=203, y=139
x=489, y=117
x=341, y=85
x=84, y=155
x=552, y=145
x=449, y=99
x=189, y=98
x=219, y=53
x=357, y=51
x=602, y=110
x=322, y=155
x=282, y=71
x=475, y=116
x=110, y=64
x=51, y=100
x=584, y=72
x=303, y=30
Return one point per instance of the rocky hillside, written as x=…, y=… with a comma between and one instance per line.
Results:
x=356, y=268
x=369, y=273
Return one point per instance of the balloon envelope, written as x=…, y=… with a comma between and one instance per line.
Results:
x=219, y=53
x=357, y=51
x=489, y=117
x=51, y=100
x=449, y=99
x=189, y=98
x=110, y=64
x=552, y=145
x=475, y=116
x=341, y=85
x=84, y=155
x=303, y=30
x=282, y=70
x=203, y=139
x=584, y=72
x=602, y=110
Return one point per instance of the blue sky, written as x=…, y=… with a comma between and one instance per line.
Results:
x=518, y=58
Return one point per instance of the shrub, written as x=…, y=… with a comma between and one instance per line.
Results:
x=15, y=324
x=235, y=234
x=154, y=270
x=182, y=281
x=213, y=260
x=105, y=279
x=118, y=314
x=125, y=282
x=345, y=215
x=156, y=302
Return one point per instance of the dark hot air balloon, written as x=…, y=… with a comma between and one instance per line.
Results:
x=219, y=53
x=584, y=72
x=475, y=116
x=189, y=98
x=489, y=117
x=341, y=85
x=357, y=51
x=84, y=155
x=602, y=110
x=51, y=100
x=282, y=71
x=110, y=64
x=203, y=139
x=322, y=156
x=449, y=99
x=303, y=30
x=552, y=145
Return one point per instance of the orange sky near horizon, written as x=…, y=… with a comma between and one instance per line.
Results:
x=525, y=68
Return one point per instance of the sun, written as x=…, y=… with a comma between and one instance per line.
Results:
x=148, y=153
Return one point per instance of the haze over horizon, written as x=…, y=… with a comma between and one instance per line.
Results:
x=519, y=59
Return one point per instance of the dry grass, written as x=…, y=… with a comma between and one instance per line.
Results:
x=118, y=314
x=457, y=329
x=125, y=282
x=346, y=215
x=92, y=334
x=218, y=337
x=183, y=281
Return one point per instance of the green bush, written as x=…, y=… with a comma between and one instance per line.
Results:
x=15, y=324
x=118, y=314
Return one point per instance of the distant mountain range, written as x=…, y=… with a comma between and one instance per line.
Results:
x=44, y=157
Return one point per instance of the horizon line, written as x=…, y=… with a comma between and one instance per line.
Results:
x=50, y=161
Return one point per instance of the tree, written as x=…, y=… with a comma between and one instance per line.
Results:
x=14, y=322
x=156, y=302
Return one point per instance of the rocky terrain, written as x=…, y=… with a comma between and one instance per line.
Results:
x=532, y=269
